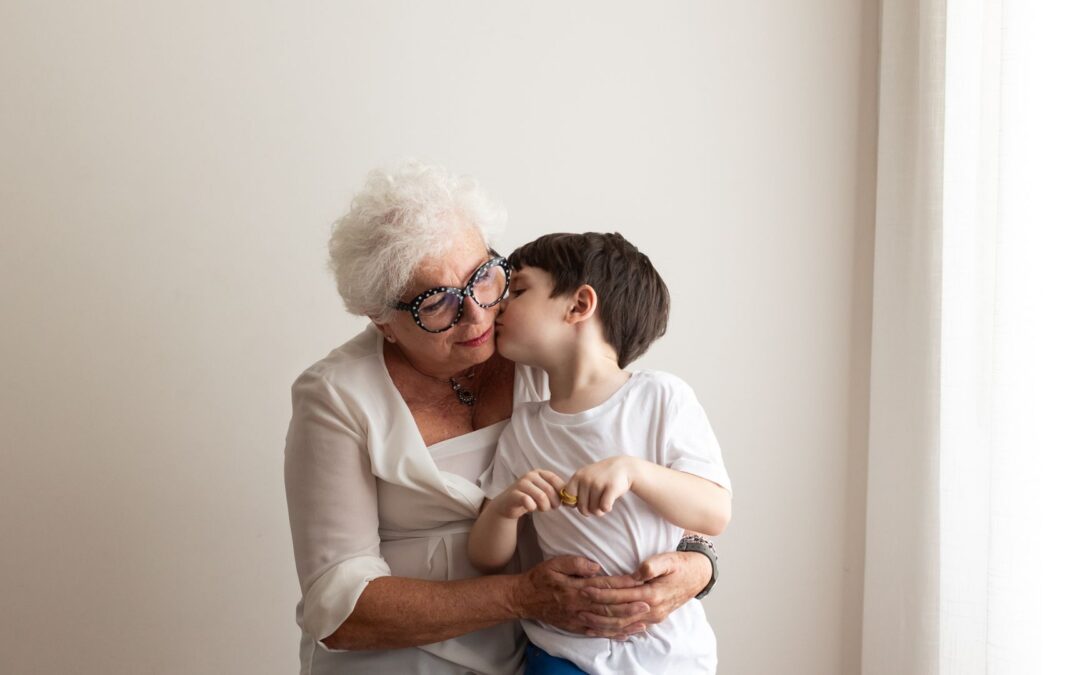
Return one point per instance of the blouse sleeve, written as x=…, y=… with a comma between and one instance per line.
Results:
x=333, y=507
x=499, y=474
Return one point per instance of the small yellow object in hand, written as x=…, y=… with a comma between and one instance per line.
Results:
x=567, y=498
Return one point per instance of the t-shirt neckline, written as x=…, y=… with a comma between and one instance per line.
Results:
x=548, y=414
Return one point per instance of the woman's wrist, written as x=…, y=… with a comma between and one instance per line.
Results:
x=700, y=556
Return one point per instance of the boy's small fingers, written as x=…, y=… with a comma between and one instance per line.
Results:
x=595, y=501
x=583, y=499
x=550, y=493
x=552, y=479
x=539, y=497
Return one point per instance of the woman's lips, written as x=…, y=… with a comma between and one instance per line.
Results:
x=479, y=340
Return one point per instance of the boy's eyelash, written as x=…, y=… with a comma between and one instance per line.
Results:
x=517, y=292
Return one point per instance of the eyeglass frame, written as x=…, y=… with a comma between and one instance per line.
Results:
x=413, y=306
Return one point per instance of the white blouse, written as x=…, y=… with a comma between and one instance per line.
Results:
x=367, y=498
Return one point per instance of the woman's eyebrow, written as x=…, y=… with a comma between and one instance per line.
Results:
x=468, y=275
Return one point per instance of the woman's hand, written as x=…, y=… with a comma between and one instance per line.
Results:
x=663, y=582
x=598, y=485
x=555, y=592
x=537, y=490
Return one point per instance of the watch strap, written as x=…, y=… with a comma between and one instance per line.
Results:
x=705, y=547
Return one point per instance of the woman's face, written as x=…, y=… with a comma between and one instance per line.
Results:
x=467, y=343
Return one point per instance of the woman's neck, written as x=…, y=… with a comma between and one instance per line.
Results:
x=439, y=372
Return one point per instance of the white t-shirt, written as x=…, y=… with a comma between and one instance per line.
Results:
x=654, y=416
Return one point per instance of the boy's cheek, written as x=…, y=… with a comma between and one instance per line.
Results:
x=502, y=346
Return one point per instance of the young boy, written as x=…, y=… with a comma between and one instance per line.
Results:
x=616, y=465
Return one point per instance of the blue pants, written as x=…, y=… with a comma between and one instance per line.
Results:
x=539, y=662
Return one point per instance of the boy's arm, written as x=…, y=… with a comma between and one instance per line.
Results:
x=493, y=537
x=492, y=540
x=689, y=501
x=683, y=499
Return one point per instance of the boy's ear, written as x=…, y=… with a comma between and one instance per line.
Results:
x=583, y=304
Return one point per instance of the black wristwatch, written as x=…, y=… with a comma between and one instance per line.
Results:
x=693, y=542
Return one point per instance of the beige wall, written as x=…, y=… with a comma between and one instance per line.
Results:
x=168, y=177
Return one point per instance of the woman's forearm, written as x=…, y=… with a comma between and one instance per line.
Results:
x=396, y=612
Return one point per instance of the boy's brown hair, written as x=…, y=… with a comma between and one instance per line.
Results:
x=633, y=299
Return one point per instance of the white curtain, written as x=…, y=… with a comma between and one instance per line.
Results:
x=973, y=514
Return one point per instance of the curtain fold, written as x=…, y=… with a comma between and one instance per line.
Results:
x=971, y=544
x=900, y=621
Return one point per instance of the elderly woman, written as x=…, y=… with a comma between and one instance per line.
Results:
x=389, y=435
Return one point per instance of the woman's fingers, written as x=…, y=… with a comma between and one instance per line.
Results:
x=573, y=566
x=620, y=636
x=623, y=624
x=621, y=581
x=559, y=591
x=670, y=580
x=654, y=567
x=617, y=616
x=618, y=596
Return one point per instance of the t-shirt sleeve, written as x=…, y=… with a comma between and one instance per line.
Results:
x=333, y=507
x=691, y=445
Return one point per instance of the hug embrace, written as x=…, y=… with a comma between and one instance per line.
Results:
x=475, y=482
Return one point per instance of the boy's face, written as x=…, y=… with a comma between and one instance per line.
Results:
x=531, y=326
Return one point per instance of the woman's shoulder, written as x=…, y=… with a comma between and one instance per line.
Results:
x=353, y=365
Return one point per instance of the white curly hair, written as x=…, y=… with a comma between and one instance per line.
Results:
x=399, y=218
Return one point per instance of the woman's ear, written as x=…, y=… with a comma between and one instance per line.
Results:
x=384, y=328
x=584, y=304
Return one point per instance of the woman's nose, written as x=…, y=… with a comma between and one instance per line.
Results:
x=474, y=313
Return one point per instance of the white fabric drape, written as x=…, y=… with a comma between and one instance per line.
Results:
x=971, y=528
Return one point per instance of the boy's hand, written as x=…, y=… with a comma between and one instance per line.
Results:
x=537, y=490
x=598, y=485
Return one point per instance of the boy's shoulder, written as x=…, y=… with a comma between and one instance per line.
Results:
x=662, y=383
